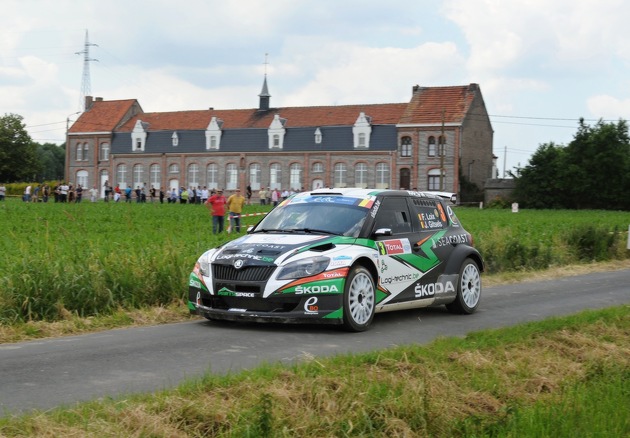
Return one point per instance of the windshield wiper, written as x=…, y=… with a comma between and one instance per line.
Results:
x=269, y=230
x=312, y=231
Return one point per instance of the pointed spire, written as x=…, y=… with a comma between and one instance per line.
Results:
x=264, y=94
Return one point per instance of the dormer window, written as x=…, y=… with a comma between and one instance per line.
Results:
x=361, y=131
x=213, y=133
x=175, y=139
x=318, y=136
x=139, y=136
x=276, y=132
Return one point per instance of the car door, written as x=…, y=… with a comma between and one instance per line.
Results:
x=401, y=261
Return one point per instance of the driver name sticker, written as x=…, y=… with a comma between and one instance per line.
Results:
x=394, y=246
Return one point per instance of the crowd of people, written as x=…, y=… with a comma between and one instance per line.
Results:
x=213, y=199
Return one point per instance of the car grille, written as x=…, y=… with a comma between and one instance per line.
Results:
x=246, y=273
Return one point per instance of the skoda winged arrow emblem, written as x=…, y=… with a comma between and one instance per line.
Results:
x=238, y=264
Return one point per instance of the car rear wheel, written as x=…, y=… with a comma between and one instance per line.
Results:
x=468, y=289
x=359, y=300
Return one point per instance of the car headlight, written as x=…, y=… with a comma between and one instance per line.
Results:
x=204, y=264
x=304, y=268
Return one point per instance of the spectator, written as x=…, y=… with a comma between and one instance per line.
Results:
x=161, y=195
x=204, y=194
x=138, y=194
x=128, y=194
x=3, y=192
x=173, y=198
x=45, y=192
x=93, y=194
x=79, y=193
x=216, y=205
x=262, y=195
x=27, y=194
x=235, y=208
x=248, y=194
x=275, y=197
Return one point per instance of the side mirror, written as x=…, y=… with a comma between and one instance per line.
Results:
x=383, y=232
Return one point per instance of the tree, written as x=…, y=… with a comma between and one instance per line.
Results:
x=52, y=159
x=593, y=171
x=18, y=157
x=597, y=166
x=537, y=185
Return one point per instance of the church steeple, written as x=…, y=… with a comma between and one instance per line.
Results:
x=264, y=94
x=264, y=97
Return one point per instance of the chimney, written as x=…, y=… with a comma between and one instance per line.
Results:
x=88, y=102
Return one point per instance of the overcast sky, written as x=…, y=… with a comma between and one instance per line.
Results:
x=541, y=64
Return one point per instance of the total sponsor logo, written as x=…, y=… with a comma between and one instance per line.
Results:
x=429, y=290
x=394, y=246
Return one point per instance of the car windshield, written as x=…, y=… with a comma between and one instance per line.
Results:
x=336, y=218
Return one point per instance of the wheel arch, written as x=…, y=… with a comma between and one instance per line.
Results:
x=368, y=264
x=461, y=253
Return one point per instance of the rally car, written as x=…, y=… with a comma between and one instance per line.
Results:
x=339, y=256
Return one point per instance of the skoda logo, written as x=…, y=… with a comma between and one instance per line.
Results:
x=238, y=264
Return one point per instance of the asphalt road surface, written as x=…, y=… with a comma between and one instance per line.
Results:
x=48, y=373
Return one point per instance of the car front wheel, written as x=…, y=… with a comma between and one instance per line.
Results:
x=359, y=300
x=468, y=289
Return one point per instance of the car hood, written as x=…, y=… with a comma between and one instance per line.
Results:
x=265, y=249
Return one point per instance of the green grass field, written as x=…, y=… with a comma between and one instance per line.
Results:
x=93, y=259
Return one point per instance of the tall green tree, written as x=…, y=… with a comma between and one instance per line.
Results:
x=597, y=166
x=52, y=161
x=538, y=184
x=18, y=154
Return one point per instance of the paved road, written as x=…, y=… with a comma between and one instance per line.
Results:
x=48, y=373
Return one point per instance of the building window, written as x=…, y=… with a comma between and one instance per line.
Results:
x=382, y=176
x=121, y=175
x=212, y=173
x=175, y=139
x=138, y=175
x=405, y=147
x=318, y=168
x=275, y=176
x=193, y=175
x=104, y=152
x=361, y=140
x=432, y=147
x=156, y=177
x=434, y=180
x=295, y=176
x=213, y=142
x=255, y=173
x=276, y=141
x=231, y=177
x=442, y=146
x=360, y=175
x=85, y=151
x=82, y=178
x=173, y=168
x=340, y=175
x=79, y=152
x=318, y=136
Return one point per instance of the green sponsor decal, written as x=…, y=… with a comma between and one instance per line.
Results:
x=336, y=314
x=191, y=306
x=327, y=287
x=226, y=292
x=429, y=260
x=194, y=281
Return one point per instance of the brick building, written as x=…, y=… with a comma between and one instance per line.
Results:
x=367, y=145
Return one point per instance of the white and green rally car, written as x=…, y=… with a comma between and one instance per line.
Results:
x=339, y=256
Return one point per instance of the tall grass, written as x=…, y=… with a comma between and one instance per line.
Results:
x=92, y=259
x=564, y=377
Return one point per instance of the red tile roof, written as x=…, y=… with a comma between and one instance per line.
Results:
x=425, y=107
x=102, y=116
x=427, y=104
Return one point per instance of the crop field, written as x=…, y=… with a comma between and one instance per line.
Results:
x=93, y=258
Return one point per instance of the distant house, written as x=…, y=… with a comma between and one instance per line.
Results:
x=428, y=143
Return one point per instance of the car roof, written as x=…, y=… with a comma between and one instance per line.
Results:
x=355, y=192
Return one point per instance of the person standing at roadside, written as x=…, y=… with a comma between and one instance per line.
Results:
x=235, y=207
x=216, y=205
x=3, y=192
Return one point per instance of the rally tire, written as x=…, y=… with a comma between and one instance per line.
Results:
x=359, y=300
x=468, y=289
